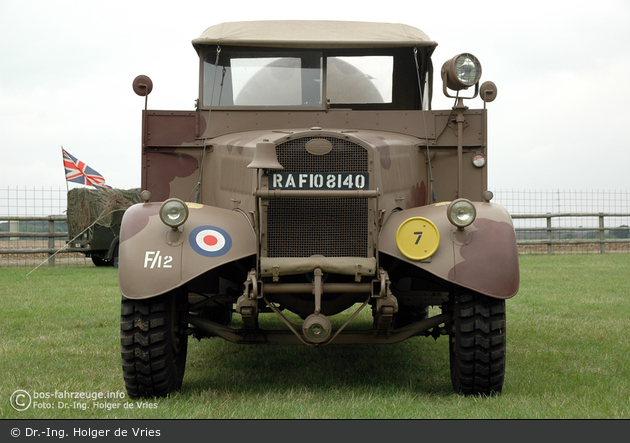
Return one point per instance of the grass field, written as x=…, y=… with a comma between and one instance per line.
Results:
x=567, y=356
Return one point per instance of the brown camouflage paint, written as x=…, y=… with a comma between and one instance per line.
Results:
x=240, y=143
x=162, y=167
x=381, y=146
x=418, y=196
x=490, y=260
x=136, y=218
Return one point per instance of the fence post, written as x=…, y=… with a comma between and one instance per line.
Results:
x=602, y=237
x=14, y=226
x=549, y=246
x=51, y=242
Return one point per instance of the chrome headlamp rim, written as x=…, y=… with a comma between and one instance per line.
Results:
x=174, y=203
x=451, y=213
x=453, y=71
x=464, y=66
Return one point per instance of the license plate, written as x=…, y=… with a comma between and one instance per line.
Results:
x=319, y=180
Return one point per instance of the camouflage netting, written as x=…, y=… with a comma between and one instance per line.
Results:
x=104, y=207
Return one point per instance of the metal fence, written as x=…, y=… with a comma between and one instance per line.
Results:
x=33, y=230
x=33, y=201
x=15, y=234
x=569, y=221
x=546, y=222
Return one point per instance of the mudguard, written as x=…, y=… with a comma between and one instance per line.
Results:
x=483, y=257
x=154, y=259
x=112, y=248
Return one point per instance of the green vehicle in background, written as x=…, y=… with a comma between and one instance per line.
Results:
x=94, y=217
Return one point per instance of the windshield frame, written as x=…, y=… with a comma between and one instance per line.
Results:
x=228, y=81
x=405, y=91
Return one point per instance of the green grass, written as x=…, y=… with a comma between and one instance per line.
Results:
x=567, y=355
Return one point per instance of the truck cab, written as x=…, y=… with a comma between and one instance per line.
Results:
x=314, y=180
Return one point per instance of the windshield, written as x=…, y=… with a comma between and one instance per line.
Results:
x=263, y=79
x=294, y=79
x=360, y=79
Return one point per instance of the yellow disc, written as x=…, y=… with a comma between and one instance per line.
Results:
x=417, y=238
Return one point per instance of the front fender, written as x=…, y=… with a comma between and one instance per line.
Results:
x=154, y=259
x=483, y=257
x=112, y=248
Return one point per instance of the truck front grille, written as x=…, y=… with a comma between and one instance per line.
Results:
x=332, y=227
x=344, y=157
x=301, y=227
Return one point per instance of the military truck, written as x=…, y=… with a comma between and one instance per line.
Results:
x=314, y=183
x=94, y=217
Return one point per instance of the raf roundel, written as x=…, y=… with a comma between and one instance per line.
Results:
x=210, y=241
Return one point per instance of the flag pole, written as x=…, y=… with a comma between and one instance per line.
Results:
x=64, y=172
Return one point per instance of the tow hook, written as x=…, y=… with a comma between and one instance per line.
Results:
x=386, y=303
x=317, y=328
x=247, y=304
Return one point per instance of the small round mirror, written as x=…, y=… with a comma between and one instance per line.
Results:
x=488, y=91
x=142, y=85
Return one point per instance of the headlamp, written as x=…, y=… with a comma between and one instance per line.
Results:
x=173, y=213
x=461, y=213
x=461, y=72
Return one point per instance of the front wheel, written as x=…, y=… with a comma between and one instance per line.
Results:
x=477, y=344
x=154, y=344
x=99, y=261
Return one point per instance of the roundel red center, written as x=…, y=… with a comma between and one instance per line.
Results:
x=210, y=240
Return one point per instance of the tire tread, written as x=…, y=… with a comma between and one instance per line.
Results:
x=478, y=344
x=150, y=368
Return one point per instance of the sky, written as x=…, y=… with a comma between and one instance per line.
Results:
x=562, y=70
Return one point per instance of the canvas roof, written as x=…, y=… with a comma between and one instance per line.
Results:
x=313, y=34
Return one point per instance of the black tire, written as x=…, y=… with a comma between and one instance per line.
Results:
x=114, y=261
x=154, y=344
x=99, y=261
x=477, y=344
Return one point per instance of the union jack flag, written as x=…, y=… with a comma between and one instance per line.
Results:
x=79, y=172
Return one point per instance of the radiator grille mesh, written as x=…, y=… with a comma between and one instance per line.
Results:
x=344, y=157
x=332, y=227
x=317, y=226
